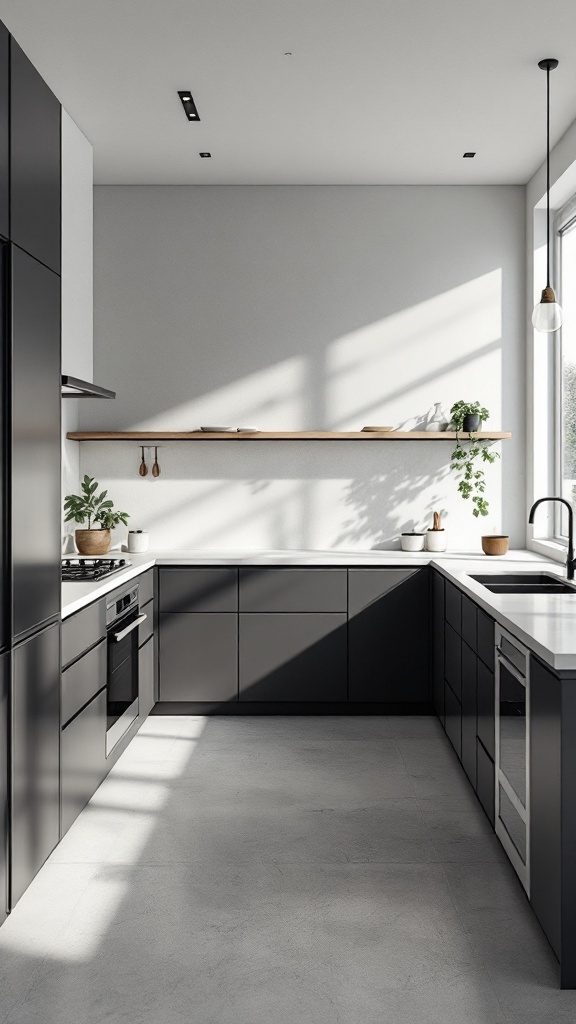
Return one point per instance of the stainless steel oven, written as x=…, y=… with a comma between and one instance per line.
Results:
x=122, y=621
x=513, y=752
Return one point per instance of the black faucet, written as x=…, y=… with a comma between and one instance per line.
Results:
x=570, y=561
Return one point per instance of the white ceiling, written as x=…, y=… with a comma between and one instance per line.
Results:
x=375, y=92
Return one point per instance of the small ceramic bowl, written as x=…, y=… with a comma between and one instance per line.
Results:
x=412, y=541
x=495, y=544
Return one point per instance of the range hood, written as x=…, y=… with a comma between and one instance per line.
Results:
x=73, y=387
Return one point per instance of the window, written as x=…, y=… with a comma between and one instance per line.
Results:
x=565, y=456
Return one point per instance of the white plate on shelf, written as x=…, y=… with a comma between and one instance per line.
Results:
x=218, y=430
x=248, y=430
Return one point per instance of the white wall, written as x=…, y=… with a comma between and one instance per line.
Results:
x=77, y=285
x=302, y=308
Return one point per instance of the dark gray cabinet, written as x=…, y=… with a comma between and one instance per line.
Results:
x=198, y=657
x=453, y=660
x=83, y=630
x=386, y=607
x=293, y=590
x=83, y=680
x=546, y=800
x=469, y=712
x=453, y=607
x=187, y=590
x=292, y=657
x=35, y=756
x=36, y=541
x=34, y=162
x=437, y=640
x=83, y=758
x=146, y=678
x=4, y=132
x=4, y=690
x=485, y=780
x=485, y=708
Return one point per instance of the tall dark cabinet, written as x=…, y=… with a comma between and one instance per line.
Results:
x=35, y=444
x=34, y=162
x=30, y=146
x=4, y=132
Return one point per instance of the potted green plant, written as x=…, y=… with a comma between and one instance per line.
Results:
x=468, y=416
x=90, y=507
x=470, y=453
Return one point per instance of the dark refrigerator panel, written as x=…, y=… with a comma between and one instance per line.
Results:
x=4, y=130
x=4, y=684
x=35, y=443
x=5, y=594
x=35, y=757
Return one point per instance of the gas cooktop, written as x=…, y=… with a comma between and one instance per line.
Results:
x=86, y=569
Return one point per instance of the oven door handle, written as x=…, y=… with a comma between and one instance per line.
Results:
x=133, y=625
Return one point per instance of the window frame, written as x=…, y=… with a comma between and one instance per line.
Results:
x=564, y=221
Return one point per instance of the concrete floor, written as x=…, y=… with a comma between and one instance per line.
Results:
x=280, y=870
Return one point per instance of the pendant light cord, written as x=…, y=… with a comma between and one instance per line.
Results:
x=548, y=177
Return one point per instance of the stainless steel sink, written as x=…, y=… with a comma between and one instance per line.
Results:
x=524, y=583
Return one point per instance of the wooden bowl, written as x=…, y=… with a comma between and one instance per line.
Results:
x=495, y=544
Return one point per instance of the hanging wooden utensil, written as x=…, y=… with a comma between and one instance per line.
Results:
x=156, y=466
x=143, y=467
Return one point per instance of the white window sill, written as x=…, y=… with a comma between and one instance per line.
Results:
x=549, y=548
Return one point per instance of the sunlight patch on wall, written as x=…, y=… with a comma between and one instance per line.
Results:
x=393, y=371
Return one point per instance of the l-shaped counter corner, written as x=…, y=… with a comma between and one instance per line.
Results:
x=545, y=623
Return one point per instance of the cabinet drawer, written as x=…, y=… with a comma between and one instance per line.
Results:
x=453, y=720
x=453, y=660
x=469, y=623
x=469, y=712
x=486, y=697
x=365, y=586
x=83, y=630
x=146, y=629
x=199, y=657
x=454, y=607
x=486, y=641
x=485, y=783
x=293, y=657
x=145, y=587
x=82, y=759
x=198, y=590
x=82, y=681
x=293, y=590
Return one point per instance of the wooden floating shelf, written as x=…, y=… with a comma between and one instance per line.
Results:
x=390, y=435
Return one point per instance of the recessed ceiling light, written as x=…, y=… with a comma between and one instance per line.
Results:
x=205, y=155
x=469, y=154
x=189, y=105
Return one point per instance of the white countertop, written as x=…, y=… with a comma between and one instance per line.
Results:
x=546, y=623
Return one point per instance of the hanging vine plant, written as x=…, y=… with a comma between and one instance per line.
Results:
x=469, y=455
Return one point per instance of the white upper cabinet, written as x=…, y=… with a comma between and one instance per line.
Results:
x=77, y=251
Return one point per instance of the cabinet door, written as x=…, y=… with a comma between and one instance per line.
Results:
x=293, y=590
x=453, y=660
x=454, y=607
x=453, y=713
x=83, y=758
x=35, y=757
x=486, y=696
x=388, y=635
x=184, y=590
x=34, y=162
x=486, y=640
x=4, y=131
x=199, y=657
x=83, y=630
x=82, y=681
x=36, y=541
x=146, y=665
x=4, y=684
x=292, y=657
x=469, y=712
x=438, y=643
x=485, y=781
x=469, y=623
x=546, y=816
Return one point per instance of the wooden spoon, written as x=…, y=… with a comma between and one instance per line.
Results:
x=143, y=467
x=156, y=466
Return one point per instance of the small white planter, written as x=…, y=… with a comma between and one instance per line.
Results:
x=436, y=540
x=412, y=541
x=137, y=541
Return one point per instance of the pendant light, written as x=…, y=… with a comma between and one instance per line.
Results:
x=547, y=315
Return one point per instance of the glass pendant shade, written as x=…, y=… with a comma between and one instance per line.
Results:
x=547, y=315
